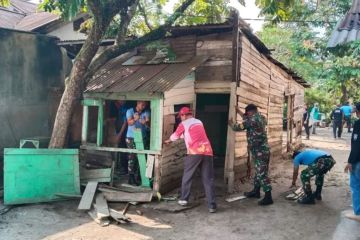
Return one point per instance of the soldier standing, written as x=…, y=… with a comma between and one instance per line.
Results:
x=255, y=125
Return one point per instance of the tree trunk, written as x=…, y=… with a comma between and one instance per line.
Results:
x=344, y=97
x=74, y=87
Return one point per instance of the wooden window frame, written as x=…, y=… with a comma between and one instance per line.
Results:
x=156, y=102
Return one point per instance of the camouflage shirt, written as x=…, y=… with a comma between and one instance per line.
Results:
x=255, y=127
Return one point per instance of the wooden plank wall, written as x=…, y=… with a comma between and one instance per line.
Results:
x=215, y=75
x=170, y=165
x=264, y=84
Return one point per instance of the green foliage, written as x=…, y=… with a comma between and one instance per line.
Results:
x=67, y=8
x=302, y=47
x=279, y=10
x=4, y=3
x=205, y=11
x=324, y=99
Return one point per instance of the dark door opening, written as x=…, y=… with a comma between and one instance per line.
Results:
x=213, y=111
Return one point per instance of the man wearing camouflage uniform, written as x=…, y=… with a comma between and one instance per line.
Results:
x=319, y=163
x=255, y=125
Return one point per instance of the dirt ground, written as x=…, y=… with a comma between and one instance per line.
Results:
x=242, y=219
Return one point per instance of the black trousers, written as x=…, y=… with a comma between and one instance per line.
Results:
x=307, y=129
x=191, y=163
x=339, y=127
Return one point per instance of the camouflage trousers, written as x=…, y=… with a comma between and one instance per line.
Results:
x=133, y=164
x=261, y=157
x=318, y=169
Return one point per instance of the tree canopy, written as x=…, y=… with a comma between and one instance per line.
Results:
x=301, y=45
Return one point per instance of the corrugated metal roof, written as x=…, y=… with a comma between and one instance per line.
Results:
x=9, y=19
x=114, y=77
x=348, y=28
x=36, y=20
x=24, y=15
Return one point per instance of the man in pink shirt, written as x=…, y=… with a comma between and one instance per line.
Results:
x=199, y=154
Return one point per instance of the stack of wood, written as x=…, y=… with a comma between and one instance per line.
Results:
x=96, y=197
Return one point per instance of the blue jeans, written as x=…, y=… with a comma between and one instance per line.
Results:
x=355, y=187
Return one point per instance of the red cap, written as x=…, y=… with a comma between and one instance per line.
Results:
x=184, y=111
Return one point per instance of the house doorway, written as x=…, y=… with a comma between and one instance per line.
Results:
x=213, y=111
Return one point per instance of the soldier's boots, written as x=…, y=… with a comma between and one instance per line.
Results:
x=317, y=193
x=309, y=198
x=267, y=200
x=255, y=193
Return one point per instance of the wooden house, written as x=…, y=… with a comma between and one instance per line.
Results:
x=217, y=67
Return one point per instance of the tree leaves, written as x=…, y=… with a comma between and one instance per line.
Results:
x=67, y=8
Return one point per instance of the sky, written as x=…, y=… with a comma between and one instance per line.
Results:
x=247, y=11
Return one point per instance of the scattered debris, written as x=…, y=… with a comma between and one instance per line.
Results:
x=126, y=208
x=139, y=212
x=65, y=195
x=233, y=198
x=88, y=196
x=99, y=220
x=118, y=216
x=120, y=196
x=299, y=193
x=172, y=207
x=4, y=208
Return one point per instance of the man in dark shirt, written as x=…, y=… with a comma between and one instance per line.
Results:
x=337, y=116
x=353, y=167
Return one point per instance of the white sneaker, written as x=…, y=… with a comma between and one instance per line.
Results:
x=352, y=216
x=183, y=202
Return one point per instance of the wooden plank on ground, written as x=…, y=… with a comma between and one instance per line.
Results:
x=101, y=205
x=88, y=196
x=234, y=197
x=101, y=221
x=118, y=216
x=120, y=196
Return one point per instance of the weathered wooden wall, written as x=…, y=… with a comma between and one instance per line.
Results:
x=264, y=84
x=215, y=75
x=169, y=171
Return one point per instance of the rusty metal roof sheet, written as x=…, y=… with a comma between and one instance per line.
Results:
x=115, y=77
x=348, y=28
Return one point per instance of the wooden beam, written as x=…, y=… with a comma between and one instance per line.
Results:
x=85, y=124
x=101, y=206
x=100, y=125
x=120, y=196
x=124, y=150
x=88, y=196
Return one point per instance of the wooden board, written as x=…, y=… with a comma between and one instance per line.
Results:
x=119, y=196
x=95, y=175
x=36, y=175
x=150, y=166
x=101, y=221
x=88, y=196
x=101, y=206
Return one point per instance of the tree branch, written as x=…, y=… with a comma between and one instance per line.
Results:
x=142, y=10
x=155, y=34
x=126, y=16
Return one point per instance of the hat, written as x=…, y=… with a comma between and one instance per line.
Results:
x=184, y=111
